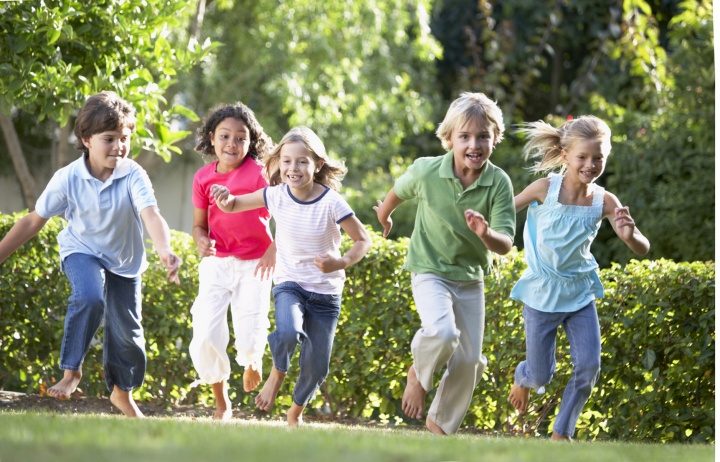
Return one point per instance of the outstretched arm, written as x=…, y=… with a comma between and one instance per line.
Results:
x=160, y=234
x=231, y=204
x=22, y=231
x=361, y=246
x=624, y=225
x=385, y=208
x=535, y=191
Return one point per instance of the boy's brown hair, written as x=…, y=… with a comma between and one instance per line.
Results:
x=102, y=112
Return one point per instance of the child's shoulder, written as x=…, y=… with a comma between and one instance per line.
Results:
x=207, y=168
x=426, y=165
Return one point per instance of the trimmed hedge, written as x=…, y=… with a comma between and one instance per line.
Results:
x=657, y=321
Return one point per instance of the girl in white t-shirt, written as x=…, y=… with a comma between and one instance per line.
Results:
x=309, y=272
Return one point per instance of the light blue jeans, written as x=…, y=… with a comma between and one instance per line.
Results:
x=583, y=332
x=307, y=319
x=99, y=295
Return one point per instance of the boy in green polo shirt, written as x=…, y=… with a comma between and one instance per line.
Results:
x=465, y=211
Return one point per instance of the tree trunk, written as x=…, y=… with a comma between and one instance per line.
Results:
x=26, y=180
x=63, y=147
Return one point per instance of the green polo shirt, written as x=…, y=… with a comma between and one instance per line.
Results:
x=441, y=241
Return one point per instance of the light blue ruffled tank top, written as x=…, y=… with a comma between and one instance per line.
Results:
x=561, y=274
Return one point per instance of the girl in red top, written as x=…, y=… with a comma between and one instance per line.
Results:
x=238, y=255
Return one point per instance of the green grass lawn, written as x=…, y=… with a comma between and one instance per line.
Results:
x=28, y=437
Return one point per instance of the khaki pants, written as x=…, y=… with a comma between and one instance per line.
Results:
x=452, y=315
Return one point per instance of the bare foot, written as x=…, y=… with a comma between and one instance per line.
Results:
x=65, y=387
x=223, y=405
x=519, y=397
x=294, y=415
x=265, y=400
x=413, y=400
x=434, y=428
x=251, y=378
x=123, y=400
x=559, y=437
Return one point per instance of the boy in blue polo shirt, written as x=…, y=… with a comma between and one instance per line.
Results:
x=465, y=211
x=103, y=195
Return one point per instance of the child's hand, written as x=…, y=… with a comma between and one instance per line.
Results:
x=624, y=223
x=222, y=197
x=327, y=264
x=476, y=222
x=385, y=222
x=206, y=247
x=266, y=265
x=172, y=262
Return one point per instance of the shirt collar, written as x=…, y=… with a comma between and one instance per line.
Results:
x=123, y=169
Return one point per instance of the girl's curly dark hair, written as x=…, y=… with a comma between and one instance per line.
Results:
x=260, y=142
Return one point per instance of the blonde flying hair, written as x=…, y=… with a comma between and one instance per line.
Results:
x=470, y=107
x=547, y=142
x=332, y=171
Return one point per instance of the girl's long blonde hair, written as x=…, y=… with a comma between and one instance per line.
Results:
x=547, y=142
x=332, y=171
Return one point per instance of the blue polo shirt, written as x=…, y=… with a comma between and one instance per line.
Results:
x=103, y=219
x=441, y=242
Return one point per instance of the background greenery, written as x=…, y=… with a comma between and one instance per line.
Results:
x=657, y=323
x=374, y=79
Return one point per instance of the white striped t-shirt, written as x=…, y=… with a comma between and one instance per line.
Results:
x=304, y=230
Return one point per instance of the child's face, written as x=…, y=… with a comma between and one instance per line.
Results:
x=107, y=150
x=298, y=166
x=472, y=146
x=585, y=160
x=231, y=140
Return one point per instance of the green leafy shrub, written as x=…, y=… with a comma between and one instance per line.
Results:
x=657, y=322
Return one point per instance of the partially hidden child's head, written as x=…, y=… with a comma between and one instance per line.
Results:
x=471, y=107
x=102, y=112
x=331, y=171
x=260, y=142
x=548, y=143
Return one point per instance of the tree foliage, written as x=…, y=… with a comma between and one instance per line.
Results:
x=360, y=74
x=645, y=66
x=54, y=54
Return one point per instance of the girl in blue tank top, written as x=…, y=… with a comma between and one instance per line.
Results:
x=561, y=282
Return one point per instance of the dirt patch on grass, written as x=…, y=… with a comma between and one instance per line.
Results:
x=81, y=404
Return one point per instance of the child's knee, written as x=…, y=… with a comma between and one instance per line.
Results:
x=285, y=337
x=445, y=333
x=89, y=301
x=588, y=371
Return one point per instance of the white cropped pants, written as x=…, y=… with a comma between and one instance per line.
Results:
x=452, y=314
x=228, y=281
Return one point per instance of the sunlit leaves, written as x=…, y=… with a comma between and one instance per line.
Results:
x=55, y=54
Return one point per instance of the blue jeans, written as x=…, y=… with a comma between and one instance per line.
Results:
x=583, y=332
x=307, y=319
x=99, y=295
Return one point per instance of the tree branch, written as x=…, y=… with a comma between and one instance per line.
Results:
x=27, y=181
